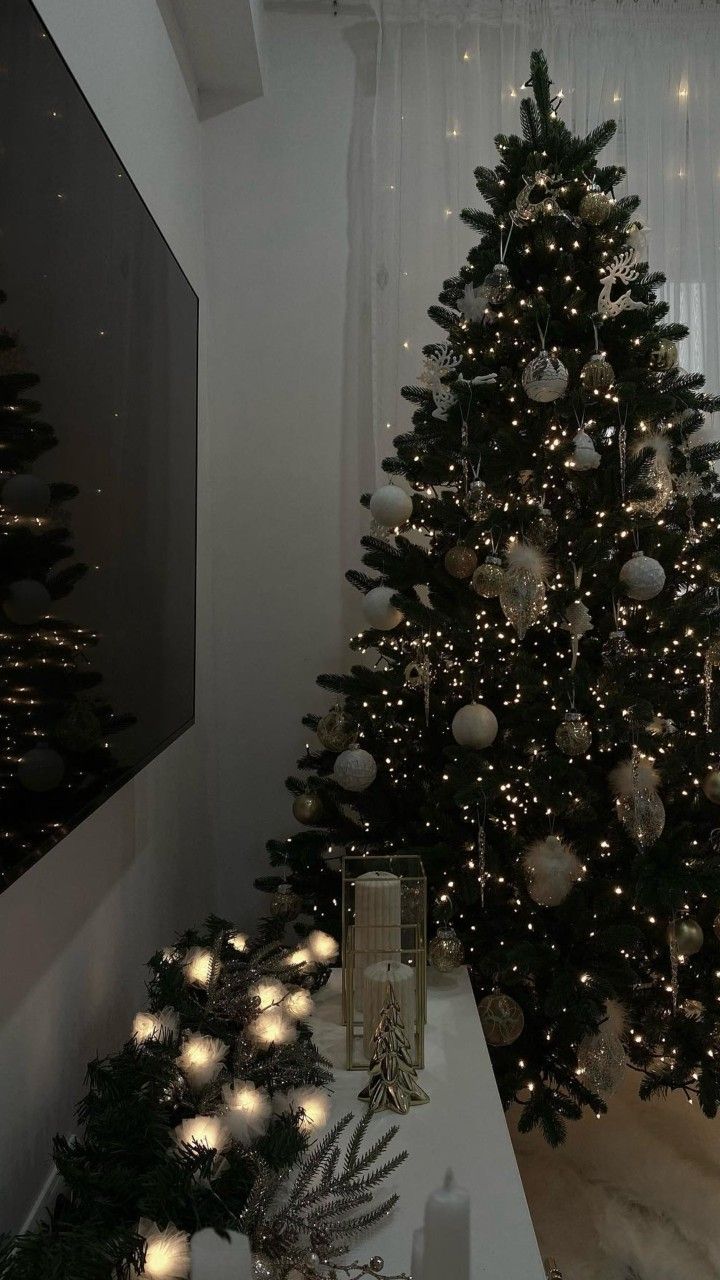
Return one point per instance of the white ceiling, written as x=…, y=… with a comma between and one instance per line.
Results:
x=217, y=45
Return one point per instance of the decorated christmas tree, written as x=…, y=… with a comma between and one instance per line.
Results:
x=534, y=714
x=55, y=758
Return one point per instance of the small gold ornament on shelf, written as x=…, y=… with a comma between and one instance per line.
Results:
x=711, y=786
x=487, y=579
x=307, y=808
x=393, y=1083
x=595, y=207
x=573, y=736
x=460, y=562
x=285, y=903
x=446, y=951
x=502, y=1019
x=685, y=936
x=597, y=375
x=337, y=730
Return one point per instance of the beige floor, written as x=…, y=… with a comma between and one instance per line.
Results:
x=632, y=1196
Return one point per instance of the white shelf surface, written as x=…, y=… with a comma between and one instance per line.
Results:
x=463, y=1127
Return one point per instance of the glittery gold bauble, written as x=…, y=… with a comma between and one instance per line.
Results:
x=502, y=1019
x=686, y=935
x=597, y=374
x=642, y=814
x=487, y=579
x=573, y=736
x=522, y=598
x=478, y=501
x=601, y=1062
x=446, y=951
x=337, y=730
x=460, y=562
x=711, y=786
x=595, y=208
x=285, y=903
x=665, y=354
x=307, y=808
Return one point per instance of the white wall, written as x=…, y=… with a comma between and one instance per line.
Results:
x=290, y=402
x=75, y=930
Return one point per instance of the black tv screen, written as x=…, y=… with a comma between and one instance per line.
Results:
x=98, y=431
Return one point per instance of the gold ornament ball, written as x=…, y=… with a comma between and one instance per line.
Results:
x=487, y=579
x=446, y=951
x=687, y=935
x=665, y=355
x=285, y=903
x=573, y=736
x=598, y=374
x=337, y=730
x=711, y=786
x=595, y=208
x=522, y=598
x=502, y=1019
x=307, y=808
x=642, y=815
x=460, y=562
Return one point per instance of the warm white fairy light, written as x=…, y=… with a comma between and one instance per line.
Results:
x=239, y=941
x=323, y=948
x=155, y=1026
x=204, y=1131
x=167, y=1252
x=299, y=1004
x=246, y=1110
x=311, y=1105
x=268, y=992
x=273, y=1027
x=199, y=964
x=201, y=1059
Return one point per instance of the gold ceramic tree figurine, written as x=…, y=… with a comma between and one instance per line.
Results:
x=393, y=1083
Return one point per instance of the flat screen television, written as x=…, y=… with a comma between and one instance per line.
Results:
x=98, y=446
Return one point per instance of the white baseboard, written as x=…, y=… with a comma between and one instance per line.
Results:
x=44, y=1199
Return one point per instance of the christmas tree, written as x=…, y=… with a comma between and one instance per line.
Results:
x=535, y=713
x=55, y=759
x=393, y=1083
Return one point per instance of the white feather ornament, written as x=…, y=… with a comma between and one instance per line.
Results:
x=629, y=775
x=551, y=869
x=525, y=555
x=578, y=622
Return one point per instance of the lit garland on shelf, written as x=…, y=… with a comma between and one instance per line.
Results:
x=616, y=462
x=208, y=1118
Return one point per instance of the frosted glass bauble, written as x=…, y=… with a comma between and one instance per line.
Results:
x=601, y=1062
x=379, y=610
x=474, y=725
x=642, y=577
x=642, y=814
x=545, y=378
x=391, y=506
x=355, y=770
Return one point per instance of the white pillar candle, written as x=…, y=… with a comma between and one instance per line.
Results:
x=418, y=1252
x=377, y=922
x=447, y=1233
x=374, y=990
x=214, y=1258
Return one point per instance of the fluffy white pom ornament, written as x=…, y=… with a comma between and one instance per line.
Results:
x=474, y=725
x=247, y=1110
x=391, y=506
x=642, y=577
x=201, y=1059
x=551, y=869
x=311, y=1105
x=355, y=770
x=167, y=1252
x=156, y=1026
x=379, y=610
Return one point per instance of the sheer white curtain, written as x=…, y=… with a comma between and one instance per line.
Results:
x=449, y=78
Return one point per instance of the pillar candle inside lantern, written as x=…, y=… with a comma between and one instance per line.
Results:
x=377, y=923
x=375, y=980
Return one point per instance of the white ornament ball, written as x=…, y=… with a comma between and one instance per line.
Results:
x=379, y=610
x=545, y=378
x=585, y=455
x=42, y=769
x=27, y=602
x=355, y=770
x=474, y=725
x=391, y=506
x=642, y=577
x=26, y=495
x=551, y=869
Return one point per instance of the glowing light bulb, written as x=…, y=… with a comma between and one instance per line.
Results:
x=198, y=965
x=248, y=1110
x=269, y=993
x=201, y=1059
x=167, y=1252
x=273, y=1027
x=239, y=941
x=322, y=946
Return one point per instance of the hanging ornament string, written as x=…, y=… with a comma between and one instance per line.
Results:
x=505, y=240
x=597, y=334
x=481, y=841
x=543, y=332
x=674, y=964
x=622, y=447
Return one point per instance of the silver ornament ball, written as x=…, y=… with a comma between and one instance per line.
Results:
x=545, y=378
x=478, y=502
x=336, y=730
x=446, y=951
x=642, y=577
x=391, y=506
x=487, y=579
x=474, y=725
x=379, y=610
x=595, y=208
x=355, y=770
x=597, y=374
x=686, y=936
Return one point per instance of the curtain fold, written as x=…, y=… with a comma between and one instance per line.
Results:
x=449, y=78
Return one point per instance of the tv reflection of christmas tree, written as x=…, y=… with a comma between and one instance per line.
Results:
x=55, y=755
